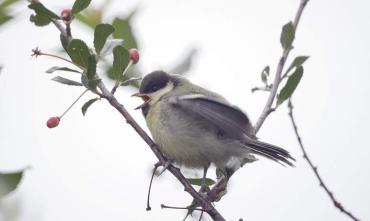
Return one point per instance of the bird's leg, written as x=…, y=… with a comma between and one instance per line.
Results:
x=203, y=187
x=165, y=166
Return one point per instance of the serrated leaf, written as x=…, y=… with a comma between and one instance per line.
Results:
x=101, y=33
x=109, y=46
x=290, y=85
x=130, y=80
x=39, y=20
x=120, y=61
x=66, y=81
x=80, y=5
x=78, y=52
x=265, y=73
x=56, y=68
x=298, y=61
x=87, y=105
x=9, y=182
x=185, y=64
x=287, y=35
x=198, y=181
x=41, y=10
x=124, y=31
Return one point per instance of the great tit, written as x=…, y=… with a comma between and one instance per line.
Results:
x=195, y=127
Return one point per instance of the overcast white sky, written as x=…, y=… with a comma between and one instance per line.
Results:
x=96, y=168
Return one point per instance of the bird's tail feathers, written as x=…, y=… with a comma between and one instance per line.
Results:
x=269, y=151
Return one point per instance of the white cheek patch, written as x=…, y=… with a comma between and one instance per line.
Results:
x=155, y=96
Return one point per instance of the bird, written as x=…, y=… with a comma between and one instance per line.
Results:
x=195, y=127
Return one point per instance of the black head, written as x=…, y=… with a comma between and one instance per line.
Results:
x=154, y=81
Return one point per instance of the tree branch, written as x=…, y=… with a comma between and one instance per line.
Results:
x=268, y=107
x=203, y=201
x=336, y=203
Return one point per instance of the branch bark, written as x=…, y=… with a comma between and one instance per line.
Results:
x=277, y=79
x=336, y=203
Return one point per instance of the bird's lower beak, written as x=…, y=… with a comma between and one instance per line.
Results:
x=145, y=98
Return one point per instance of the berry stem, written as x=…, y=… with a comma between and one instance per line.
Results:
x=74, y=102
x=37, y=52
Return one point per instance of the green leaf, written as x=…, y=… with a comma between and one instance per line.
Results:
x=90, y=17
x=9, y=182
x=120, y=61
x=7, y=3
x=109, y=46
x=198, y=181
x=298, y=61
x=102, y=31
x=78, y=52
x=290, y=85
x=41, y=10
x=91, y=73
x=80, y=5
x=56, y=68
x=124, y=31
x=87, y=105
x=130, y=80
x=184, y=66
x=39, y=20
x=66, y=81
x=4, y=18
x=287, y=35
x=265, y=73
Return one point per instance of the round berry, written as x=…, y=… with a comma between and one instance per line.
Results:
x=53, y=122
x=66, y=14
x=134, y=55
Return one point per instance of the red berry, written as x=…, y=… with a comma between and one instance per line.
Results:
x=66, y=14
x=53, y=122
x=134, y=55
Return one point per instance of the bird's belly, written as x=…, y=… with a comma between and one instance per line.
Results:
x=189, y=144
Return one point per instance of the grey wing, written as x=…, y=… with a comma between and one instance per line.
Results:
x=230, y=122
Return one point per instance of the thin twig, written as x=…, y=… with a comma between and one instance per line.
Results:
x=336, y=203
x=182, y=208
x=267, y=109
x=150, y=187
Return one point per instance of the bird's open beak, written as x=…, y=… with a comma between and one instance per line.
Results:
x=145, y=98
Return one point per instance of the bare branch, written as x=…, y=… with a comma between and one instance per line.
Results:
x=267, y=109
x=206, y=205
x=336, y=203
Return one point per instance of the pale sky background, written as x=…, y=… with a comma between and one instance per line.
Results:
x=96, y=168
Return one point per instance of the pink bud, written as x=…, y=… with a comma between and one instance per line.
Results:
x=66, y=14
x=134, y=55
x=53, y=122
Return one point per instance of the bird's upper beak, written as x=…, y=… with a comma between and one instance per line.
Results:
x=145, y=98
